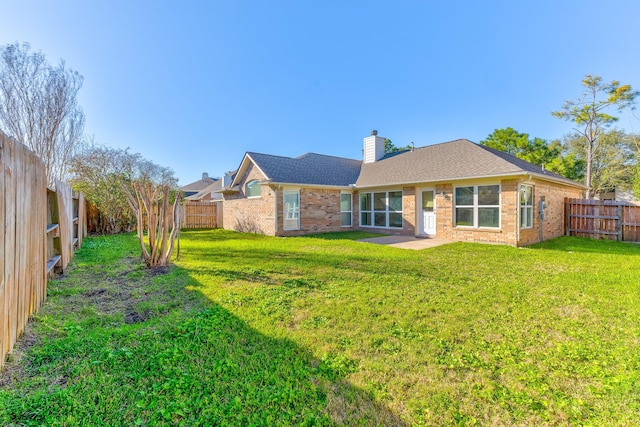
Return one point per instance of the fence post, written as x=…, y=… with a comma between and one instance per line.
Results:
x=620, y=225
x=567, y=212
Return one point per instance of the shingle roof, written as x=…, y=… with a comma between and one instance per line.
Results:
x=452, y=160
x=310, y=168
x=198, y=185
x=211, y=188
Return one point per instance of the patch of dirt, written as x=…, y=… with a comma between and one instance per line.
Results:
x=157, y=271
x=14, y=369
x=94, y=292
x=132, y=316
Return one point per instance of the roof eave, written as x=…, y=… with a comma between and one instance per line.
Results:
x=298, y=184
x=242, y=168
x=228, y=190
x=565, y=181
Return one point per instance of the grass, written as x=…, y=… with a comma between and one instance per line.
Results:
x=252, y=330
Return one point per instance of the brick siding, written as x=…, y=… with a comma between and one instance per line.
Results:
x=320, y=212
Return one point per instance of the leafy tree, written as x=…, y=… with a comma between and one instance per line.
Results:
x=552, y=155
x=589, y=113
x=614, y=159
x=508, y=140
x=567, y=164
x=99, y=172
x=38, y=106
x=389, y=147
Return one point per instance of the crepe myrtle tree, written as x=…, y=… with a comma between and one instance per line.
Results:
x=157, y=217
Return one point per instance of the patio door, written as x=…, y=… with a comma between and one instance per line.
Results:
x=428, y=212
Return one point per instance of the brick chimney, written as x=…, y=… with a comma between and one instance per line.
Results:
x=373, y=147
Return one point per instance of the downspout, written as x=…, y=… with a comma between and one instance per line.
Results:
x=275, y=210
x=518, y=214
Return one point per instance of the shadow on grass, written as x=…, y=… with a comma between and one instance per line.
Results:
x=191, y=362
x=342, y=235
x=583, y=244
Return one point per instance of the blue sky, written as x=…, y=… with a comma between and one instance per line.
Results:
x=193, y=85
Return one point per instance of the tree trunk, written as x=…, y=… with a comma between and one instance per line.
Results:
x=162, y=221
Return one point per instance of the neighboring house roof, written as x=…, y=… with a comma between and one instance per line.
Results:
x=454, y=160
x=209, y=189
x=310, y=168
x=198, y=185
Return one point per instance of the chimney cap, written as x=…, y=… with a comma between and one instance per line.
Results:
x=374, y=132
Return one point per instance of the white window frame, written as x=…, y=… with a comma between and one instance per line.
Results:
x=350, y=211
x=476, y=207
x=387, y=210
x=290, y=213
x=526, y=210
x=253, y=182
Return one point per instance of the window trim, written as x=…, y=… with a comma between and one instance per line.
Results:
x=286, y=212
x=523, y=208
x=252, y=182
x=475, y=206
x=387, y=211
x=350, y=211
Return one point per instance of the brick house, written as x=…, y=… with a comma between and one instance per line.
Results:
x=455, y=190
x=197, y=186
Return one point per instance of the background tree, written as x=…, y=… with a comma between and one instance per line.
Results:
x=508, y=140
x=614, y=159
x=589, y=113
x=100, y=172
x=568, y=163
x=389, y=147
x=38, y=106
x=554, y=156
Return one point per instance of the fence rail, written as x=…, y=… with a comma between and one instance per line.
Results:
x=38, y=230
x=602, y=219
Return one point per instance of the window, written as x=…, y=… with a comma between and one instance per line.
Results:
x=477, y=206
x=291, y=211
x=345, y=210
x=254, y=189
x=365, y=209
x=382, y=209
x=526, y=206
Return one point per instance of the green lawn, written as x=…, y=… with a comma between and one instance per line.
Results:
x=254, y=330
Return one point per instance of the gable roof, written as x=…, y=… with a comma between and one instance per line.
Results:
x=211, y=188
x=454, y=160
x=310, y=169
x=198, y=185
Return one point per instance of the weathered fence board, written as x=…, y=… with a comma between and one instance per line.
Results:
x=200, y=214
x=29, y=226
x=81, y=223
x=22, y=225
x=64, y=197
x=602, y=219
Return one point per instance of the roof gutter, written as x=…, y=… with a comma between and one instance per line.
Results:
x=466, y=178
x=298, y=184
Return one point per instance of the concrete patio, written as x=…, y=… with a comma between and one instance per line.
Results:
x=407, y=242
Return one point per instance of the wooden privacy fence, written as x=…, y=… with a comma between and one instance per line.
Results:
x=38, y=230
x=200, y=214
x=602, y=219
